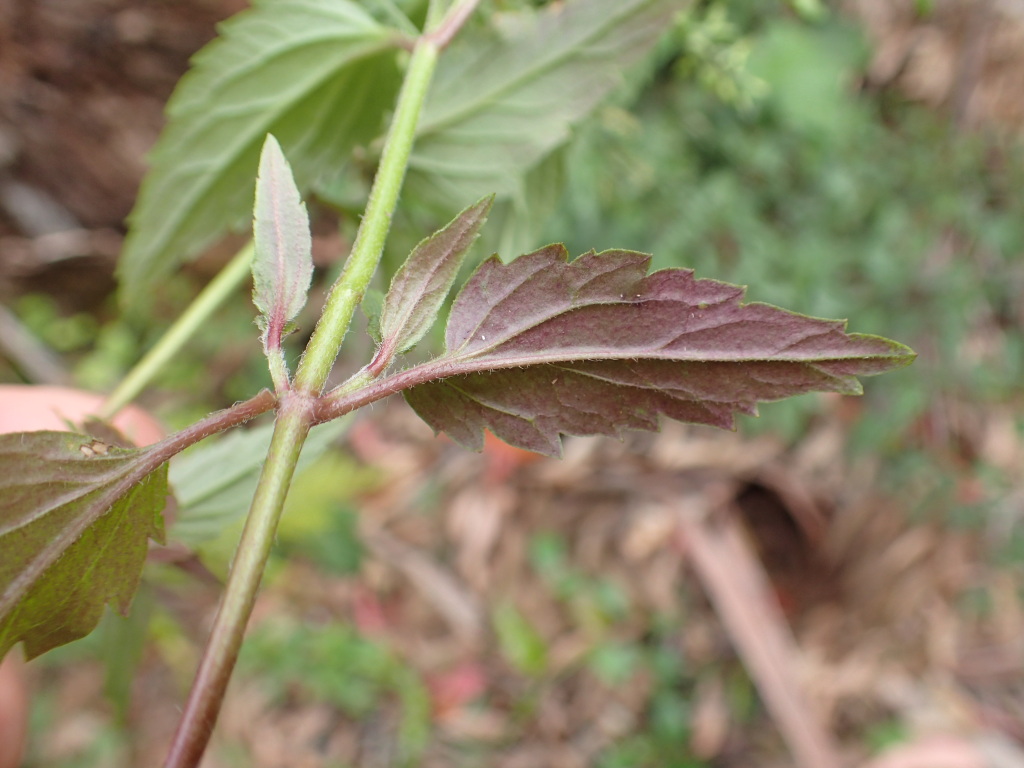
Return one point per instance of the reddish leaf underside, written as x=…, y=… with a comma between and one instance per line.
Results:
x=541, y=347
x=75, y=518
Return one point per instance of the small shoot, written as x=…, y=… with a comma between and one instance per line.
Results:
x=419, y=288
x=282, y=267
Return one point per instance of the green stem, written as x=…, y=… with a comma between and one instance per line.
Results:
x=297, y=412
x=347, y=292
x=293, y=422
x=296, y=415
x=205, y=304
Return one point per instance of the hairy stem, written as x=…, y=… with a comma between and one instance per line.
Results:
x=360, y=391
x=212, y=424
x=205, y=304
x=347, y=292
x=278, y=370
x=204, y=701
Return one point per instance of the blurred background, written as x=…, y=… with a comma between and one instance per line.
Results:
x=838, y=582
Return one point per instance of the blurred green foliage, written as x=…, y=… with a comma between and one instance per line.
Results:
x=664, y=736
x=62, y=333
x=886, y=734
x=332, y=663
x=321, y=517
x=596, y=604
x=520, y=644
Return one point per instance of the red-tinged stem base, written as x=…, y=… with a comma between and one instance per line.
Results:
x=204, y=702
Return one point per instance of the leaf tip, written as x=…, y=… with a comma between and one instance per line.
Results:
x=271, y=149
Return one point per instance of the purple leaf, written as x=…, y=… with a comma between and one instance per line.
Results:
x=419, y=288
x=541, y=347
x=283, y=263
x=74, y=524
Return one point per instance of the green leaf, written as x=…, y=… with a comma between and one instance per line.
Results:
x=805, y=69
x=282, y=266
x=515, y=224
x=421, y=285
x=541, y=347
x=123, y=643
x=372, y=305
x=74, y=524
x=318, y=74
x=506, y=96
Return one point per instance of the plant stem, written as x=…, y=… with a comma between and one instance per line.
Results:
x=204, y=305
x=204, y=701
x=296, y=416
x=297, y=412
x=347, y=292
x=278, y=370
